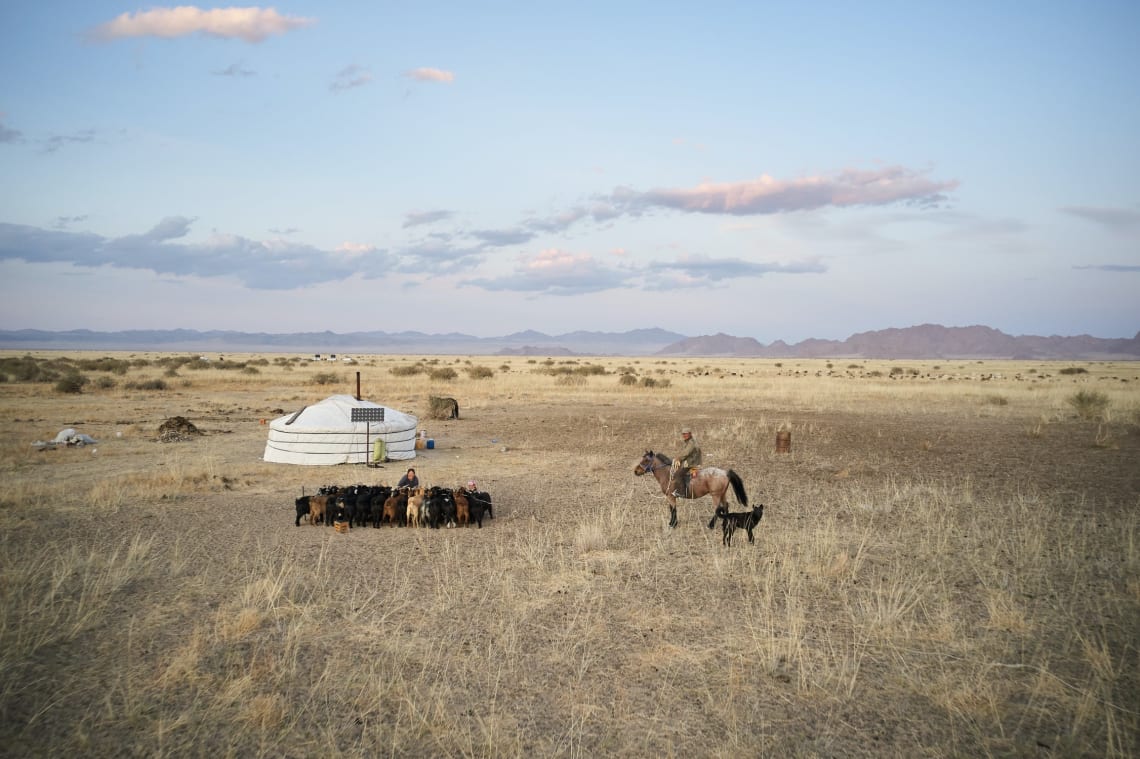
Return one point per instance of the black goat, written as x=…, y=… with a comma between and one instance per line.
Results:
x=738, y=520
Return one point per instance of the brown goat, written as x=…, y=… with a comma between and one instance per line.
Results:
x=318, y=508
x=396, y=504
x=462, y=508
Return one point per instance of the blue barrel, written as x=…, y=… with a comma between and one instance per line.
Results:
x=431, y=442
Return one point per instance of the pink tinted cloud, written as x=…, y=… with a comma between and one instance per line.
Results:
x=251, y=24
x=431, y=75
x=767, y=195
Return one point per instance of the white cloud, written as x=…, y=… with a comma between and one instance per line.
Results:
x=251, y=24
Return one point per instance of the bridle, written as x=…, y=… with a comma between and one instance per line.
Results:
x=654, y=464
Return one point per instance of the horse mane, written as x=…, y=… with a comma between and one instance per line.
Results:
x=662, y=458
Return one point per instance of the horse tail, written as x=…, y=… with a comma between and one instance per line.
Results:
x=738, y=487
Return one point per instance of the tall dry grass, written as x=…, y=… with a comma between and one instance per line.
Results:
x=904, y=596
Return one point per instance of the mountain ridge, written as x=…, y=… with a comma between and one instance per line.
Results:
x=924, y=341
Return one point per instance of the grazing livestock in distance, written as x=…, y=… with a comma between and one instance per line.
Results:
x=734, y=520
x=361, y=505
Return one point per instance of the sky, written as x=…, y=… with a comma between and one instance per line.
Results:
x=781, y=171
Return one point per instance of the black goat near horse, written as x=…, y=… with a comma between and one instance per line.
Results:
x=737, y=520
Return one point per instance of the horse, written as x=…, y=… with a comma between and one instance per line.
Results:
x=707, y=481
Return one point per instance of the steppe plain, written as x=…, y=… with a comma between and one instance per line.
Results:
x=948, y=563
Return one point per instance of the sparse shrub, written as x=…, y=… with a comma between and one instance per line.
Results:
x=628, y=379
x=105, y=383
x=171, y=371
x=407, y=371
x=1073, y=370
x=71, y=383
x=250, y=370
x=105, y=364
x=325, y=378
x=445, y=374
x=874, y=373
x=151, y=384
x=997, y=400
x=480, y=372
x=896, y=370
x=570, y=380
x=25, y=369
x=590, y=370
x=1089, y=404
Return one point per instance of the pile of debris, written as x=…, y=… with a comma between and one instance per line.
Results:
x=67, y=438
x=177, y=429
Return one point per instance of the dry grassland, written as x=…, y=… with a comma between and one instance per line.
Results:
x=948, y=564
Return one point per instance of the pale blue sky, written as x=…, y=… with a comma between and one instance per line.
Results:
x=749, y=168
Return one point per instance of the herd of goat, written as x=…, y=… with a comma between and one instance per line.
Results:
x=362, y=505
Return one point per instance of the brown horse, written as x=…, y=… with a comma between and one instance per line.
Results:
x=707, y=481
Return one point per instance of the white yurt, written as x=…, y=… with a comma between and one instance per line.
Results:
x=325, y=433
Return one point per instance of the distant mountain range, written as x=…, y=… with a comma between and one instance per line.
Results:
x=926, y=341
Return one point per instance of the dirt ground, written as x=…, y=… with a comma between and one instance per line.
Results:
x=537, y=637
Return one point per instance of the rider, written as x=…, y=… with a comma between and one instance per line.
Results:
x=689, y=456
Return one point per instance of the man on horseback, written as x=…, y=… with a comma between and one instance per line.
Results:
x=688, y=458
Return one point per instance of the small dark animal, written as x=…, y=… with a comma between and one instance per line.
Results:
x=481, y=499
x=302, y=508
x=476, y=505
x=733, y=521
x=380, y=495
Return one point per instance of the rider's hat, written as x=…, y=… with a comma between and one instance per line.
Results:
x=686, y=431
